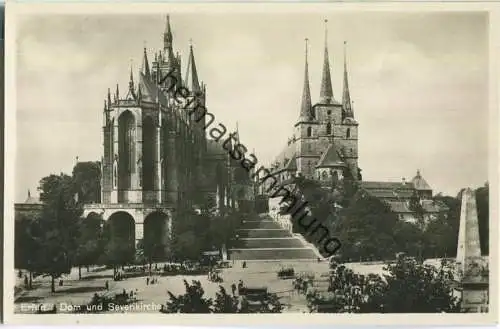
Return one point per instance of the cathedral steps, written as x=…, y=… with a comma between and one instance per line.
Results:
x=272, y=253
x=264, y=233
x=262, y=224
x=262, y=238
x=268, y=243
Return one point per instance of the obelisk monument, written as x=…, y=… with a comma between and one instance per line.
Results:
x=469, y=261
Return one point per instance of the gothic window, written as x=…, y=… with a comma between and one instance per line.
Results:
x=162, y=174
x=148, y=153
x=126, y=149
x=111, y=139
x=328, y=128
x=335, y=175
x=324, y=175
x=309, y=131
x=348, y=134
x=115, y=176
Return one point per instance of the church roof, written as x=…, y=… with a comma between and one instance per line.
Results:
x=215, y=148
x=331, y=158
x=432, y=206
x=149, y=91
x=388, y=189
x=31, y=200
x=420, y=183
x=399, y=207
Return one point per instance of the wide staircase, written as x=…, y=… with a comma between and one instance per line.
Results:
x=261, y=238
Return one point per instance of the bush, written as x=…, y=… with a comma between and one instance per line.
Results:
x=410, y=287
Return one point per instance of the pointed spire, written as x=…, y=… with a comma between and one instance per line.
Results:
x=168, y=29
x=167, y=41
x=109, y=97
x=145, y=65
x=131, y=81
x=29, y=193
x=117, y=94
x=105, y=107
x=326, y=93
x=305, y=109
x=131, y=88
x=346, y=96
x=192, y=82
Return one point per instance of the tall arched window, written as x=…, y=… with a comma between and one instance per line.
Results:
x=328, y=128
x=309, y=131
x=126, y=149
x=148, y=153
x=348, y=134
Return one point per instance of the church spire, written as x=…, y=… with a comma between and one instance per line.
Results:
x=145, y=65
x=131, y=88
x=326, y=93
x=192, y=82
x=346, y=96
x=109, y=97
x=117, y=94
x=305, y=108
x=131, y=81
x=168, y=40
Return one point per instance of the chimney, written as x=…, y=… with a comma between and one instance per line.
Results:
x=403, y=181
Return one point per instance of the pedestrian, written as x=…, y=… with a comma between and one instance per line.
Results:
x=26, y=283
x=240, y=287
x=233, y=288
x=147, y=281
x=106, y=285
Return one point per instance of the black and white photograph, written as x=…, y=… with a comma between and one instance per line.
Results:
x=256, y=161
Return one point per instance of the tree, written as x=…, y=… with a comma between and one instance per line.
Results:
x=408, y=287
x=366, y=229
x=192, y=301
x=89, y=244
x=225, y=303
x=58, y=226
x=118, y=251
x=417, y=209
x=222, y=229
x=87, y=180
x=27, y=245
x=189, y=236
x=413, y=287
x=444, y=232
x=410, y=239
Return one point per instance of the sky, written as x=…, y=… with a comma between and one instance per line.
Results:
x=419, y=82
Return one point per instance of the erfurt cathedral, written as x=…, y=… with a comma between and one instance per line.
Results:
x=157, y=164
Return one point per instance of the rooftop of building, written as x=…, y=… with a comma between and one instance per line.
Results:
x=31, y=199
